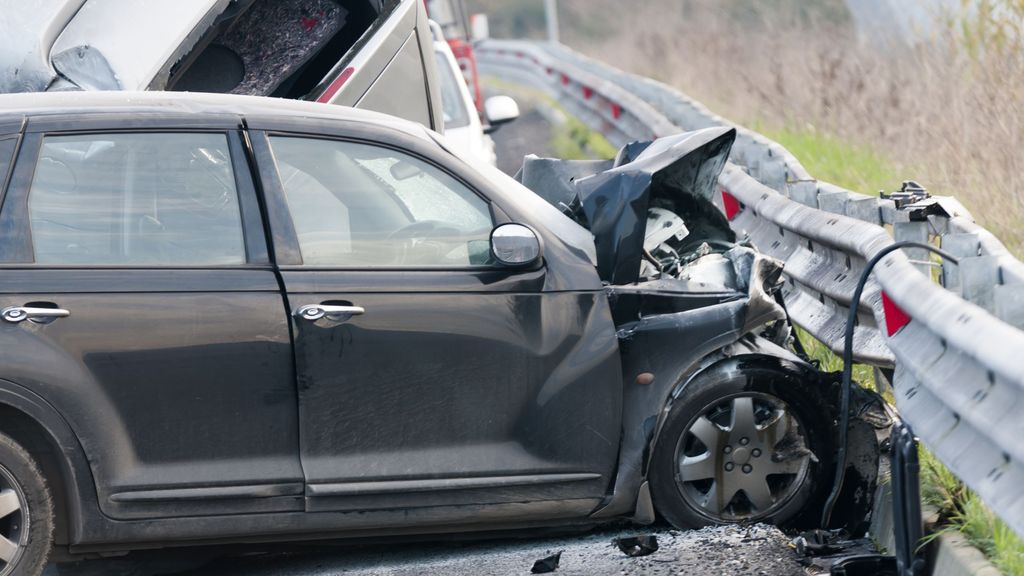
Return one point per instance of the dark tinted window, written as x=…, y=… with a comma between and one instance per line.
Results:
x=135, y=199
x=367, y=206
x=6, y=152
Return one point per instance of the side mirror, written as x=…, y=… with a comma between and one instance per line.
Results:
x=500, y=110
x=515, y=245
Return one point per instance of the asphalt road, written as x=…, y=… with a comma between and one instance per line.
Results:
x=529, y=134
x=727, y=551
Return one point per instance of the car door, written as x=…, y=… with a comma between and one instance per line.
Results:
x=138, y=299
x=428, y=376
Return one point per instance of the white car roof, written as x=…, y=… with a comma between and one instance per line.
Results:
x=128, y=42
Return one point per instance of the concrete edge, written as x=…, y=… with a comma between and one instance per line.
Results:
x=949, y=553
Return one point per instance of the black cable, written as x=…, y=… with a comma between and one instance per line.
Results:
x=844, y=404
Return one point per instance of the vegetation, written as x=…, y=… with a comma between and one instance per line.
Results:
x=961, y=510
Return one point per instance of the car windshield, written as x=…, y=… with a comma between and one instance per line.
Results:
x=454, y=105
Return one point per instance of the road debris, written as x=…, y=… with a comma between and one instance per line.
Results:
x=635, y=546
x=546, y=565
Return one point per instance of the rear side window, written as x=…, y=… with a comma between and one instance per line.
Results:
x=135, y=199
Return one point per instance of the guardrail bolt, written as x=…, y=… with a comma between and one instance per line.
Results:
x=729, y=466
x=756, y=452
x=744, y=441
x=728, y=450
x=747, y=468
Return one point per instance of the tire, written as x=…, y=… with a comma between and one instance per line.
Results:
x=30, y=525
x=773, y=457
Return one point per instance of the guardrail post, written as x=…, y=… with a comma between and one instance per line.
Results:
x=1009, y=304
x=961, y=246
x=917, y=232
x=804, y=192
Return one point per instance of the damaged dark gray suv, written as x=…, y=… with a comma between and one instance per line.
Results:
x=230, y=319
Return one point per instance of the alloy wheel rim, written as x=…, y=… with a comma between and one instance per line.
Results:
x=14, y=522
x=742, y=458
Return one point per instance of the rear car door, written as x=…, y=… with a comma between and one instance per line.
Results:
x=138, y=299
x=428, y=377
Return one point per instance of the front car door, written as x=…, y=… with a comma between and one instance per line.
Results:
x=139, y=301
x=432, y=383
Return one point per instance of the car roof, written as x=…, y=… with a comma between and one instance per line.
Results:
x=15, y=108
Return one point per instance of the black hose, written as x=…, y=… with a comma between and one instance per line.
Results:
x=844, y=404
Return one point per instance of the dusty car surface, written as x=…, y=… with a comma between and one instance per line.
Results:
x=230, y=318
x=372, y=54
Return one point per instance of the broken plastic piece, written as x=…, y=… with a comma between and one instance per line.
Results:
x=820, y=542
x=546, y=565
x=635, y=546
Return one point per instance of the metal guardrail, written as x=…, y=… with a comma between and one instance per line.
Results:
x=957, y=346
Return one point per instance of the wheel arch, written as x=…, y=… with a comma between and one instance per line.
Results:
x=752, y=352
x=43, y=432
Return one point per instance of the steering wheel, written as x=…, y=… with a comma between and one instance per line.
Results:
x=420, y=229
x=425, y=242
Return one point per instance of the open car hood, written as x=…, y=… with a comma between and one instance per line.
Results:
x=676, y=175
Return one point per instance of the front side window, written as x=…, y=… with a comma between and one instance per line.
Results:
x=357, y=205
x=135, y=199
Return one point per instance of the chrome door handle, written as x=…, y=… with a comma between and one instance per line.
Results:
x=314, y=312
x=16, y=314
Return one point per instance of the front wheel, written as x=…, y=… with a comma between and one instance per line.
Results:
x=26, y=513
x=752, y=444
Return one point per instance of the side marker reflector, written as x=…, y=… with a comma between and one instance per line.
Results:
x=895, y=317
x=731, y=204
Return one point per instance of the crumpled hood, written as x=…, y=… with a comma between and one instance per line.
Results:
x=612, y=198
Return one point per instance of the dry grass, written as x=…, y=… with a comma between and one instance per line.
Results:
x=949, y=114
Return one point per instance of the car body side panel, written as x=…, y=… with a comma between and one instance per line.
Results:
x=396, y=55
x=669, y=347
x=391, y=92
x=450, y=397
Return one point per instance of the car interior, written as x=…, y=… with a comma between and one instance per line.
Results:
x=282, y=48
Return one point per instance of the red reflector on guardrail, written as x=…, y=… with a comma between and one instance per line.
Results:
x=565, y=80
x=588, y=92
x=895, y=317
x=731, y=205
x=336, y=85
x=616, y=111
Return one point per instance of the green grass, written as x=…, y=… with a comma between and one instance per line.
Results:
x=830, y=159
x=829, y=361
x=963, y=511
x=574, y=141
x=857, y=168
